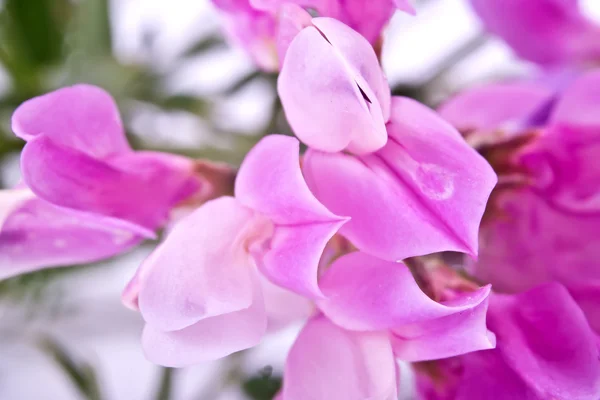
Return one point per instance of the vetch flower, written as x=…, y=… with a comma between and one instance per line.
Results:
x=86, y=195
x=199, y=291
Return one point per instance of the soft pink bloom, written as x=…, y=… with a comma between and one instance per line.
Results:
x=547, y=32
x=252, y=29
x=332, y=88
x=88, y=195
x=374, y=313
x=200, y=291
x=545, y=350
x=424, y=192
x=366, y=17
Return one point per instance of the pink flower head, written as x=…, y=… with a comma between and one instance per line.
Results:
x=374, y=312
x=332, y=88
x=200, y=292
x=88, y=195
x=547, y=32
x=252, y=29
x=366, y=17
x=424, y=192
x=545, y=350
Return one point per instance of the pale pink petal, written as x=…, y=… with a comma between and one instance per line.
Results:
x=11, y=199
x=366, y=293
x=292, y=19
x=406, y=6
x=129, y=187
x=327, y=362
x=211, y=338
x=579, y=103
x=494, y=107
x=37, y=235
x=202, y=269
x=544, y=336
x=332, y=89
x=82, y=117
x=270, y=182
x=284, y=307
x=453, y=335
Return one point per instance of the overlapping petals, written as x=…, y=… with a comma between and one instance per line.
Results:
x=333, y=91
x=424, y=192
x=544, y=31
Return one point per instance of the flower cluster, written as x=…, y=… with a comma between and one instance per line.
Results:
x=356, y=235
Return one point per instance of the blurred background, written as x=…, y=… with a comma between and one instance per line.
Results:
x=181, y=88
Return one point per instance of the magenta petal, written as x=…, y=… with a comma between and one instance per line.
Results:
x=366, y=293
x=587, y=296
x=209, y=339
x=37, y=235
x=128, y=188
x=544, y=336
x=579, y=103
x=82, y=117
x=327, y=362
x=201, y=270
x=453, y=335
x=333, y=90
x=270, y=182
x=493, y=107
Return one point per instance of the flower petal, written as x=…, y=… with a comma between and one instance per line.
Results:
x=211, y=338
x=328, y=362
x=128, y=188
x=333, y=91
x=38, y=235
x=493, y=107
x=201, y=270
x=406, y=6
x=81, y=117
x=270, y=182
x=579, y=103
x=283, y=307
x=366, y=293
x=544, y=336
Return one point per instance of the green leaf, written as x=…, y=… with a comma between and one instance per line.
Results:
x=263, y=386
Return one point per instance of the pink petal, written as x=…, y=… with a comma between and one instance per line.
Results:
x=493, y=107
x=406, y=6
x=211, y=338
x=292, y=19
x=284, y=307
x=579, y=103
x=333, y=90
x=567, y=35
x=366, y=293
x=12, y=199
x=37, y=235
x=424, y=192
x=456, y=334
x=270, y=182
x=544, y=336
x=129, y=187
x=202, y=269
x=587, y=296
x=82, y=117
x=327, y=362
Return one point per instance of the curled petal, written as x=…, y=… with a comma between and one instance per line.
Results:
x=330, y=65
x=270, y=181
x=328, y=362
x=81, y=117
x=202, y=269
x=211, y=338
x=37, y=235
x=490, y=108
x=544, y=336
x=456, y=334
x=579, y=103
x=129, y=187
x=366, y=293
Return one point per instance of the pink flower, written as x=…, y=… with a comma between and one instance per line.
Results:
x=424, y=192
x=366, y=17
x=374, y=312
x=545, y=350
x=88, y=195
x=200, y=291
x=547, y=32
